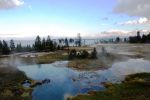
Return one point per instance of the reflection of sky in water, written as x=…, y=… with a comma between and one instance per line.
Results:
x=66, y=81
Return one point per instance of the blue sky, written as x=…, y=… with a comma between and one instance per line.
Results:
x=26, y=18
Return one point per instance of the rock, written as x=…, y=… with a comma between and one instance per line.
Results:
x=40, y=82
x=106, y=84
x=46, y=81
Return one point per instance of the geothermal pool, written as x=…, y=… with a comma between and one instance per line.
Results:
x=66, y=81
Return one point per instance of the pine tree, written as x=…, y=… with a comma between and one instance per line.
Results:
x=118, y=39
x=12, y=45
x=79, y=40
x=43, y=44
x=94, y=54
x=66, y=42
x=1, y=46
x=5, y=48
x=37, y=44
x=49, y=44
x=71, y=41
x=19, y=48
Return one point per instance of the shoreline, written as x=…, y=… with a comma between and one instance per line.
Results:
x=135, y=82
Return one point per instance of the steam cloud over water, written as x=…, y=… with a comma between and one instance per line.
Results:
x=121, y=69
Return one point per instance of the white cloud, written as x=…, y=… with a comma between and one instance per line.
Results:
x=8, y=4
x=115, y=32
x=140, y=21
x=139, y=8
x=118, y=31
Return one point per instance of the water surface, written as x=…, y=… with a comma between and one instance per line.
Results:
x=66, y=81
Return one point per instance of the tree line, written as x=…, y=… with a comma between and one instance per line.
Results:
x=39, y=45
x=140, y=39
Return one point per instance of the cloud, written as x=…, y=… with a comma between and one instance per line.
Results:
x=140, y=21
x=115, y=32
x=8, y=4
x=138, y=8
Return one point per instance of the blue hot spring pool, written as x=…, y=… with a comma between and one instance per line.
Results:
x=66, y=82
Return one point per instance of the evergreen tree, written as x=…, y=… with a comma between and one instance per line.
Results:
x=125, y=40
x=144, y=38
x=37, y=44
x=138, y=37
x=19, y=48
x=66, y=42
x=49, y=44
x=44, y=44
x=27, y=48
x=71, y=40
x=60, y=42
x=84, y=54
x=118, y=39
x=79, y=40
x=12, y=45
x=72, y=54
x=76, y=43
x=58, y=47
x=94, y=54
x=5, y=48
x=1, y=46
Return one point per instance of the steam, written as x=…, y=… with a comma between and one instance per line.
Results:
x=119, y=70
x=12, y=61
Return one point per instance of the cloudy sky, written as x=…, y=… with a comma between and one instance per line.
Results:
x=27, y=18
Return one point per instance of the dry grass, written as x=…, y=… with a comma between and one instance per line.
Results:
x=86, y=64
x=10, y=81
x=81, y=48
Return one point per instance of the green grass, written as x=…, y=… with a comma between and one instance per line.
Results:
x=128, y=90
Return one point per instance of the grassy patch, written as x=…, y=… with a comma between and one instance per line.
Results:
x=10, y=83
x=47, y=58
x=128, y=90
x=86, y=64
x=81, y=48
x=103, y=62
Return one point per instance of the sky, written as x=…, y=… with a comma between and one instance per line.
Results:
x=66, y=18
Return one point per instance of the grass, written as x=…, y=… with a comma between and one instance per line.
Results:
x=103, y=62
x=10, y=82
x=45, y=59
x=49, y=58
x=86, y=64
x=81, y=48
x=128, y=90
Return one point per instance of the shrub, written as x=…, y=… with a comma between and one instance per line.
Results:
x=84, y=54
x=94, y=54
x=72, y=54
